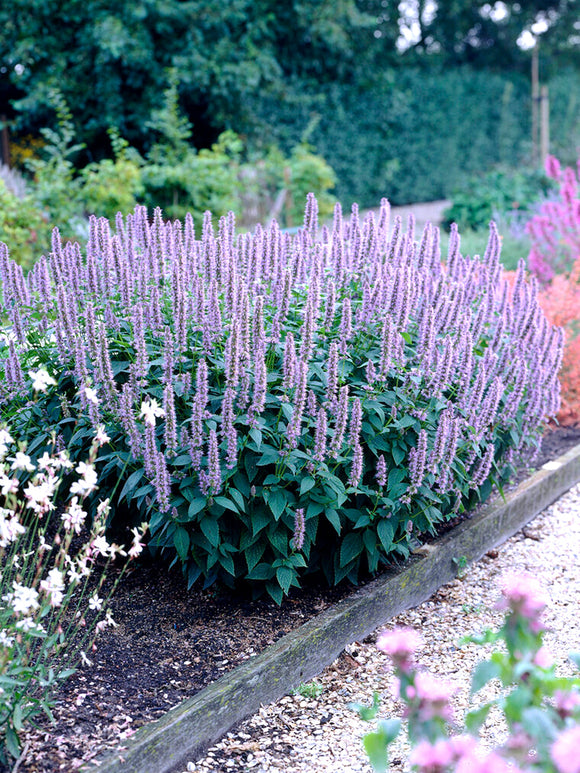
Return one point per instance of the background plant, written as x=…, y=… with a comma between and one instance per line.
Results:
x=555, y=228
x=542, y=710
x=53, y=569
x=280, y=404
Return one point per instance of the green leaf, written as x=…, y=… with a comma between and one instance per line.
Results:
x=398, y=454
x=386, y=532
x=196, y=506
x=253, y=553
x=181, y=542
x=226, y=503
x=306, y=484
x=211, y=530
x=334, y=518
x=276, y=592
x=284, y=575
x=475, y=719
x=131, y=483
x=12, y=742
x=227, y=562
x=261, y=571
x=277, y=502
x=484, y=672
x=405, y=421
x=370, y=542
x=352, y=546
x=237, y=496
x=260, y=520
x=538, y=725
x=376, y=749
x=256, y=436
x=396, y=475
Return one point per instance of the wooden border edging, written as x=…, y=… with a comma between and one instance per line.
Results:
x=186, y=731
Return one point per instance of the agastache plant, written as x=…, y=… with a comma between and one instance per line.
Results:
x=209, y=356
x=541, y=709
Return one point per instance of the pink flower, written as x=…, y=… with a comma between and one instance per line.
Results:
x=523, y=595
x=432, y=758
x=543, y=659
x=566, y=751
x=461, y=745
x=400, y=645
x=434, y=695
x=490, y=763
x=566, y=703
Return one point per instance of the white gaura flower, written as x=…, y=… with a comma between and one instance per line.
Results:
x=22, y=461
x=10, y=527
x=5, y=440
x=84, y=660
x=63, y=461
x=54, y=587
x=101, y=546
x=87, y=482
x=41, y=379
x=150, y=410
x=91, y=395
x=8, y=485
x=28, y=624
x=22, y=599
x=95, y=603
x=101, y=436
x=5, y=639
x=74, y=516
x=39, y=495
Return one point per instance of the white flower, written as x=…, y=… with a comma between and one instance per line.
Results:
x=8, y=485
x=28, y=624
x=84, y=660
x=95, y=603
x=101, y=436
x=54, y=587
x=23, y=599
x=39, y=495
x=74, y=516
x=63, y=461
x=137, y=546
x=22, y=461
x=46, y=462
x=41, y=379
x=151, y=410
x=5, y=437
x=5, y=639
x=10, y=527
x=91, y=395
x=88, y=481
x=109, y=619
x=101, y=546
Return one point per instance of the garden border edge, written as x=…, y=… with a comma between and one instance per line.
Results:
x=187, y=730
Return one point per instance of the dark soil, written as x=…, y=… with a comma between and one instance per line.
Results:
x=169, y=644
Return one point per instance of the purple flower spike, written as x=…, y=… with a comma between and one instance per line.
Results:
x=299, y=529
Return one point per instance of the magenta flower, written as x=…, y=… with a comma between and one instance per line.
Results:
x=432, y=758
x=523, y=595
x=400, y=645
x=434, y=695
x=566, y=751
x=490, y=763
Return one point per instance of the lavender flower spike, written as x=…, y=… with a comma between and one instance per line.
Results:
x=299, y=529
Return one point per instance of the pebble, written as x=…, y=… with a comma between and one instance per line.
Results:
x=294, y=735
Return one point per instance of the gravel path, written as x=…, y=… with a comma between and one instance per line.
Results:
x=321, y=734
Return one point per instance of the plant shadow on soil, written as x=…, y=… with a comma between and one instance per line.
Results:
x=170, y=643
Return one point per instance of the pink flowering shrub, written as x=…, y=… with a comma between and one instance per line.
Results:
x=555, y=229
x=542, y=710
x=53, y=569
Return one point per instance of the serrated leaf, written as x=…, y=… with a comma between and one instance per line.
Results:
x=352, y=546
x=238, y=498
x=256, y=436
x=284, y=575
x=386, y=532
x=196, y=506
x=398, y=454
x=277, y=502
x=275, y=591
x=306, y=484
x=226, y=503
x=396, y=475
x=181, y=542
x=211, y=530
x=253, y=553
x=333, y=517
x=261, y=571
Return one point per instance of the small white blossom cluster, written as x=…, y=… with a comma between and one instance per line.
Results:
x=42, y=578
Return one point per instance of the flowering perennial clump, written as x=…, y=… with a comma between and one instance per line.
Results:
x=542, y=710
x=280, y=403
x=52, y=597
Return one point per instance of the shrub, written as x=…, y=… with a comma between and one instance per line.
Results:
x=542, y=710
x=555, y=228
x=23, y=226
x=483, y=197
x=51, y=584
x=323, y=396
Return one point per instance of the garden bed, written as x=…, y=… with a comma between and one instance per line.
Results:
x=168, y=646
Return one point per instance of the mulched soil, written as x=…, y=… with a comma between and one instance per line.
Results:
x=169, y=644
